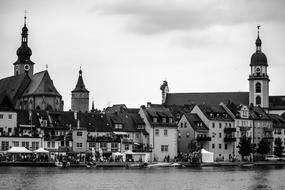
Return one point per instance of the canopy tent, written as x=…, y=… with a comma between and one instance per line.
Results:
x=41, y=150
x=120, y=133
x=18, y=150
x=207, y=156
x=117, y=154
x=128, y=152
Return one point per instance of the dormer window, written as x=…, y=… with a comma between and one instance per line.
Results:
x=154, y=120
x=118, y=126
x=218, y=115
x=211, y=115
x=163, y=120
x=170, y=120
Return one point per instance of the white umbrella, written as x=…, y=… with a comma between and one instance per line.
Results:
x=41, y=150
x=18, y=150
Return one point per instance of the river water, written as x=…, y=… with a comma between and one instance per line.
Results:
x=233, y=178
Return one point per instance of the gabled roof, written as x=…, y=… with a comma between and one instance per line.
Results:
x=194, y=119
x=14, y=86
x=277, y=102
x=277, y=120
x=129, y=118
x=216, y=112
x=257, y=113
x=41, y=84
x=208, y=98
x=5, y=103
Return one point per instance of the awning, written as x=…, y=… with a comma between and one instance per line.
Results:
x=41, y=150
x=19, y=150
x=120, y=133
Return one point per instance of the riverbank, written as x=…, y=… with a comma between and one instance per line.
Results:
x=130, y=164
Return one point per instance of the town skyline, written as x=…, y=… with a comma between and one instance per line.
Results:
x=103, y=39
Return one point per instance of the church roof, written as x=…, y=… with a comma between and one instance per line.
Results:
x=41, y=84
x=277, y=102
x=14, y=86
x=258, y=59
x=209, y=98
x=80, y=87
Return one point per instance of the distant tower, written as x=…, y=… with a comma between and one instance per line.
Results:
x=258, y=79
x=24, y=64
x=80, y=96
x=164, y=90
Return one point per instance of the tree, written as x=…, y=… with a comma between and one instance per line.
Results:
x=263, y=147
x=246, y=147
x=192, y=146
x=278, y=149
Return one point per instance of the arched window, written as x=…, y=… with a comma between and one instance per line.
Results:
x=258, y=100
x=257, y=87
x=49, y=108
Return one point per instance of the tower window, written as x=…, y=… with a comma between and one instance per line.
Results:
x=258, y=100
x=258, y=87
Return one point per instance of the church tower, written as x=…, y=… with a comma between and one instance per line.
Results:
x=164, y=90
x=23, y=63
x=258, y=79
x=80, y=96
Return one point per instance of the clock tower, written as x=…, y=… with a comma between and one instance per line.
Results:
x=24, y=63
x=258, y=79
x=80, y=96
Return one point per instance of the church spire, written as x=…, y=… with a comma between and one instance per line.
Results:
x=258, y=41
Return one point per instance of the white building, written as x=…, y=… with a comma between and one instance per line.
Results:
x=221, y=130
x=162, y=131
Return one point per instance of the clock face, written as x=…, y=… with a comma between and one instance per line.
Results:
x=258, y=70
x=27, y=67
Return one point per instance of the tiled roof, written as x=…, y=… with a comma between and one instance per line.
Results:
x=277, y=102
x=129, y=118
x=194, y=119
x=209, y=98
x=5, y=102
x=277, y=120
x=257, y=113
x=14, y=86
x=216, y=112
x=41, y=84
x=177, y=110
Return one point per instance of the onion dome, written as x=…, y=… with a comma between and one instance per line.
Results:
x=258, y=58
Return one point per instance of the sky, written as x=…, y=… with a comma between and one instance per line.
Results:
x=127, y=48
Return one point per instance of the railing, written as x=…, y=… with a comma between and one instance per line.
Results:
x=230, y=139
x=230, y=130
x=103, y=139
x=244, y=128
x=203, y=138
x=126, y=140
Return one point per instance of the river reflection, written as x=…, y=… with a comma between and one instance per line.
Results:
x=233, y=178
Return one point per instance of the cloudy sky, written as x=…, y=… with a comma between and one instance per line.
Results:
x=126, y=48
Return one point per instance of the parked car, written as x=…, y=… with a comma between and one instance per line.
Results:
x=271, y=158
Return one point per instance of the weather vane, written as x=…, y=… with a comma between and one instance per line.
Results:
x=46, y=66
x=25, y=17
x=258, y=28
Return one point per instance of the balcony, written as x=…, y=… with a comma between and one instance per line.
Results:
x=268, y=129
x=230, y=139
x=203, y=138
x=244, y=128
x=230, y=130
x=103, y=139
x=127, y=140
x=268, y=139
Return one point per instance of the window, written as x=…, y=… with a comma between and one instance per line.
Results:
x=163, y=120
x=137, y=135
x=53, y=144
x=25, y=144
x=78, y=145
x=213, y=146
x=156, y=131
x=5, y=145
x=114, y=147
x=213, y=125
x=79, y=134
x=10, y=116
x=185, y=124
x=154, y=120
x=257, y=87
x=15, y=143
x=92, y=144
x=179, y=135
x=1, y=116
x=181, y=125
x=103, y=146
x=35, y=145
x=226, y=146
x=165, y=132
x=257, y=100
x=187, y=135
x=220, y=146
x=220, y=135
x=230, y=125
x=164, y=148
x=48, y=144
x=118, y=126
x=126, y=146
x=220, y=125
